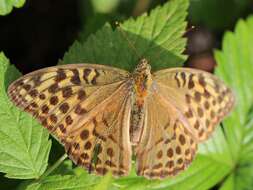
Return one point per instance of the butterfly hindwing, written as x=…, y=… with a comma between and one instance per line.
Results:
x=202, y=98
x=166, y=147
x=76, y=104
x=100, y=142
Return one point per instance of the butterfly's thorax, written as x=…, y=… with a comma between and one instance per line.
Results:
x=142, y=82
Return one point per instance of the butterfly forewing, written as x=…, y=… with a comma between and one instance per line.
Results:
x=201, y=98
x=77, y=104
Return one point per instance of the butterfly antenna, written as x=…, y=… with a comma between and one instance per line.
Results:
x=124, y=35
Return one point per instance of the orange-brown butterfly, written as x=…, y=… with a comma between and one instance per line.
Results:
x=100, y=113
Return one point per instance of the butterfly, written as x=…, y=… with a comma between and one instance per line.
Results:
x=104, y=115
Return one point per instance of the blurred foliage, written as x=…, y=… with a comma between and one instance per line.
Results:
x=217, y=14
x=105, y=6
x=236, y=67
x=6, y=6
x=224, y=162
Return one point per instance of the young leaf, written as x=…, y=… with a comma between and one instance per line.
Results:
x=7, y=5
x=24, y=143
x=236, y=68
x=157, y=37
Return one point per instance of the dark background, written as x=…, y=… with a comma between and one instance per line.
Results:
x=38, y=34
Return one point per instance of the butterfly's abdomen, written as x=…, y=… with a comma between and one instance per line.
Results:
x=136, y=123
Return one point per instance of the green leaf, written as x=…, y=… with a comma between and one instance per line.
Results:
x=104, y=183
x=228, y=184
x=24, y=143
x=157, y=37
x=7, y=5
x=236, y=67
x=65, y=168
x=80, y=181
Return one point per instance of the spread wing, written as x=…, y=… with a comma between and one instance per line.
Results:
x=87, y=107
x=182, y=109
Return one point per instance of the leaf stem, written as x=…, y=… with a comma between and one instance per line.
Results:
x=54, y=166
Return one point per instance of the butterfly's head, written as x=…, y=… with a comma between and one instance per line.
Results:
x=143, y=67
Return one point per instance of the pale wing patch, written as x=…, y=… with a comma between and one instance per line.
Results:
x=166, y=147
x=202, y=98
